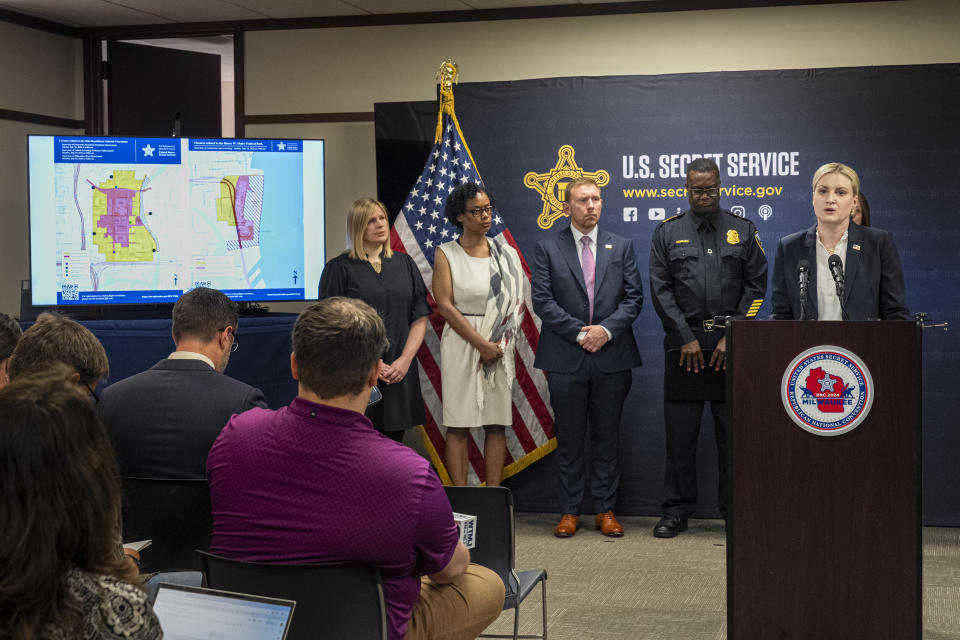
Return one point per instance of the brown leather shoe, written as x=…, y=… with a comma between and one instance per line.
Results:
x=566, y=527
x=608, y=525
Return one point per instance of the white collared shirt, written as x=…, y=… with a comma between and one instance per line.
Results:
x=191, y=355
x=577, y=235
x=828, y=304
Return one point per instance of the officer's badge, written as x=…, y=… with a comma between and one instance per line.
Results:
x=733, y=237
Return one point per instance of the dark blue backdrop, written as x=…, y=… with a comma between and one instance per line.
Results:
x=897, y=126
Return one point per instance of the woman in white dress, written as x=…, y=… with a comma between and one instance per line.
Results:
x=478, y=287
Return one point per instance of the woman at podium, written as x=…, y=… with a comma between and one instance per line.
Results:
x=837, y=269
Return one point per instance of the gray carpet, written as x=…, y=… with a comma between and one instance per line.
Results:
x=642, y=588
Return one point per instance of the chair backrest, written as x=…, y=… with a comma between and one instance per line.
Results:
x=174, y=513
x=333, y=600
x=493, y=507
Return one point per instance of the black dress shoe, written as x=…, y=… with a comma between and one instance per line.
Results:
x=669, y=527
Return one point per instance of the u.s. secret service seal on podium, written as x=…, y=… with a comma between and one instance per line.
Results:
x=827, y=390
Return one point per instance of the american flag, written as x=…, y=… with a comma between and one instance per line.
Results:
x=419, y=229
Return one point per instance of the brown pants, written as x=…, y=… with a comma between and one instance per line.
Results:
x=460, y=610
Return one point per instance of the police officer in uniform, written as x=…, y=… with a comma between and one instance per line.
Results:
x=704, y=262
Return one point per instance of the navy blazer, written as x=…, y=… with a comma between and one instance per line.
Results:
x=163, y=420
x=873, y=277
x=560, y=299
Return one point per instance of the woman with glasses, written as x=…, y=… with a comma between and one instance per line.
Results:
x=9, y=336
x=390, y=283
x=863, y=259
x=63, y=573
x=478, y=287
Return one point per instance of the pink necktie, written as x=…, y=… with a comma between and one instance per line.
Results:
x=588, y=265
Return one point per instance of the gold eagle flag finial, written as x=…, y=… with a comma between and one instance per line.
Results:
x=446, y=77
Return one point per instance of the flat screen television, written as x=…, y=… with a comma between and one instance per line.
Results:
x=123, y=220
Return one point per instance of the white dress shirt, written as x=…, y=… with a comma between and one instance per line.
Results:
x=828, y=304
x=191, y=355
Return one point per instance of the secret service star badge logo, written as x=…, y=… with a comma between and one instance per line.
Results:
x=552, y=184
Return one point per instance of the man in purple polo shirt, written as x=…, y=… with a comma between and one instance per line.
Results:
x=315, y=482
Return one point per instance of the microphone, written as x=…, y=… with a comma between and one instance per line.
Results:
x=836, y=270
x=803, y=279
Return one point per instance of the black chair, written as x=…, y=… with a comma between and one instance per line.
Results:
x=333, y=600
x=493, y=507
x=174, y=513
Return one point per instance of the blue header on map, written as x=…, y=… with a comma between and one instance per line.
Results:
x=116, y=150
x=245, y=144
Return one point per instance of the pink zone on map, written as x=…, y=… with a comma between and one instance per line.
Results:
x=244, y=226
x=117, y=218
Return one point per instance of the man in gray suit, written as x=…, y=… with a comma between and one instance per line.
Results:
x=164, y=420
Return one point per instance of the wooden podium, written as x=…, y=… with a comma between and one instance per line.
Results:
x=824, y=537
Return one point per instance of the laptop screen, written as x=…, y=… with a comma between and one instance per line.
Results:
x=192, y=613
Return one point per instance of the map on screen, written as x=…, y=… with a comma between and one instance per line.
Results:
x=141, y=220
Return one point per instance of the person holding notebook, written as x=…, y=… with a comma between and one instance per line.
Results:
x=63, y=572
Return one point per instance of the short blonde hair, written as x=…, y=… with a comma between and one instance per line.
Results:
x=579, y=181
x=842, y=169
x=357, y=218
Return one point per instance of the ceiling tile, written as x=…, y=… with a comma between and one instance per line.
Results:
x=300, y=8
x=193, y=10
x=409, y=6
x=81, y=13
x=509, y=4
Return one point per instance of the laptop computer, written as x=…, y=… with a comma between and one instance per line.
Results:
x=192, y=613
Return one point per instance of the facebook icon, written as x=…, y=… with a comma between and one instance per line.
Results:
x=629, y=214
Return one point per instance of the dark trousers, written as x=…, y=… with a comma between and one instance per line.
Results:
x=683, y=430
x=588, y=399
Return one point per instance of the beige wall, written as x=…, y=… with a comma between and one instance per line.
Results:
x=39, y=73
x=320, y=70
x=329, y=70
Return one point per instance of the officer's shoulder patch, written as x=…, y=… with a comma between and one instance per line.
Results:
x=673, y=217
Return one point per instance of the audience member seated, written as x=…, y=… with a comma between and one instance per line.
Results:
x=62, y=574
x=163, y=420
x=54, y=338
x=314, y=482
x=9, y=335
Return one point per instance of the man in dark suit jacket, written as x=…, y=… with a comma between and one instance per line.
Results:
x=873, y=278
x=587, y=292
x=164, y=420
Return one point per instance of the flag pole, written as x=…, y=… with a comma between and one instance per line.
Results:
x=447, y=76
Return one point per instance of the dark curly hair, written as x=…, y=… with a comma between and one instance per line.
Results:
x=10, y=333
x=59, y=502
x=457, y=201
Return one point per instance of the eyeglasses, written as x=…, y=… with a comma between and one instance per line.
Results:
x=236, y=340
x=93, y=394
x=476, y=212
x=696, y=192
